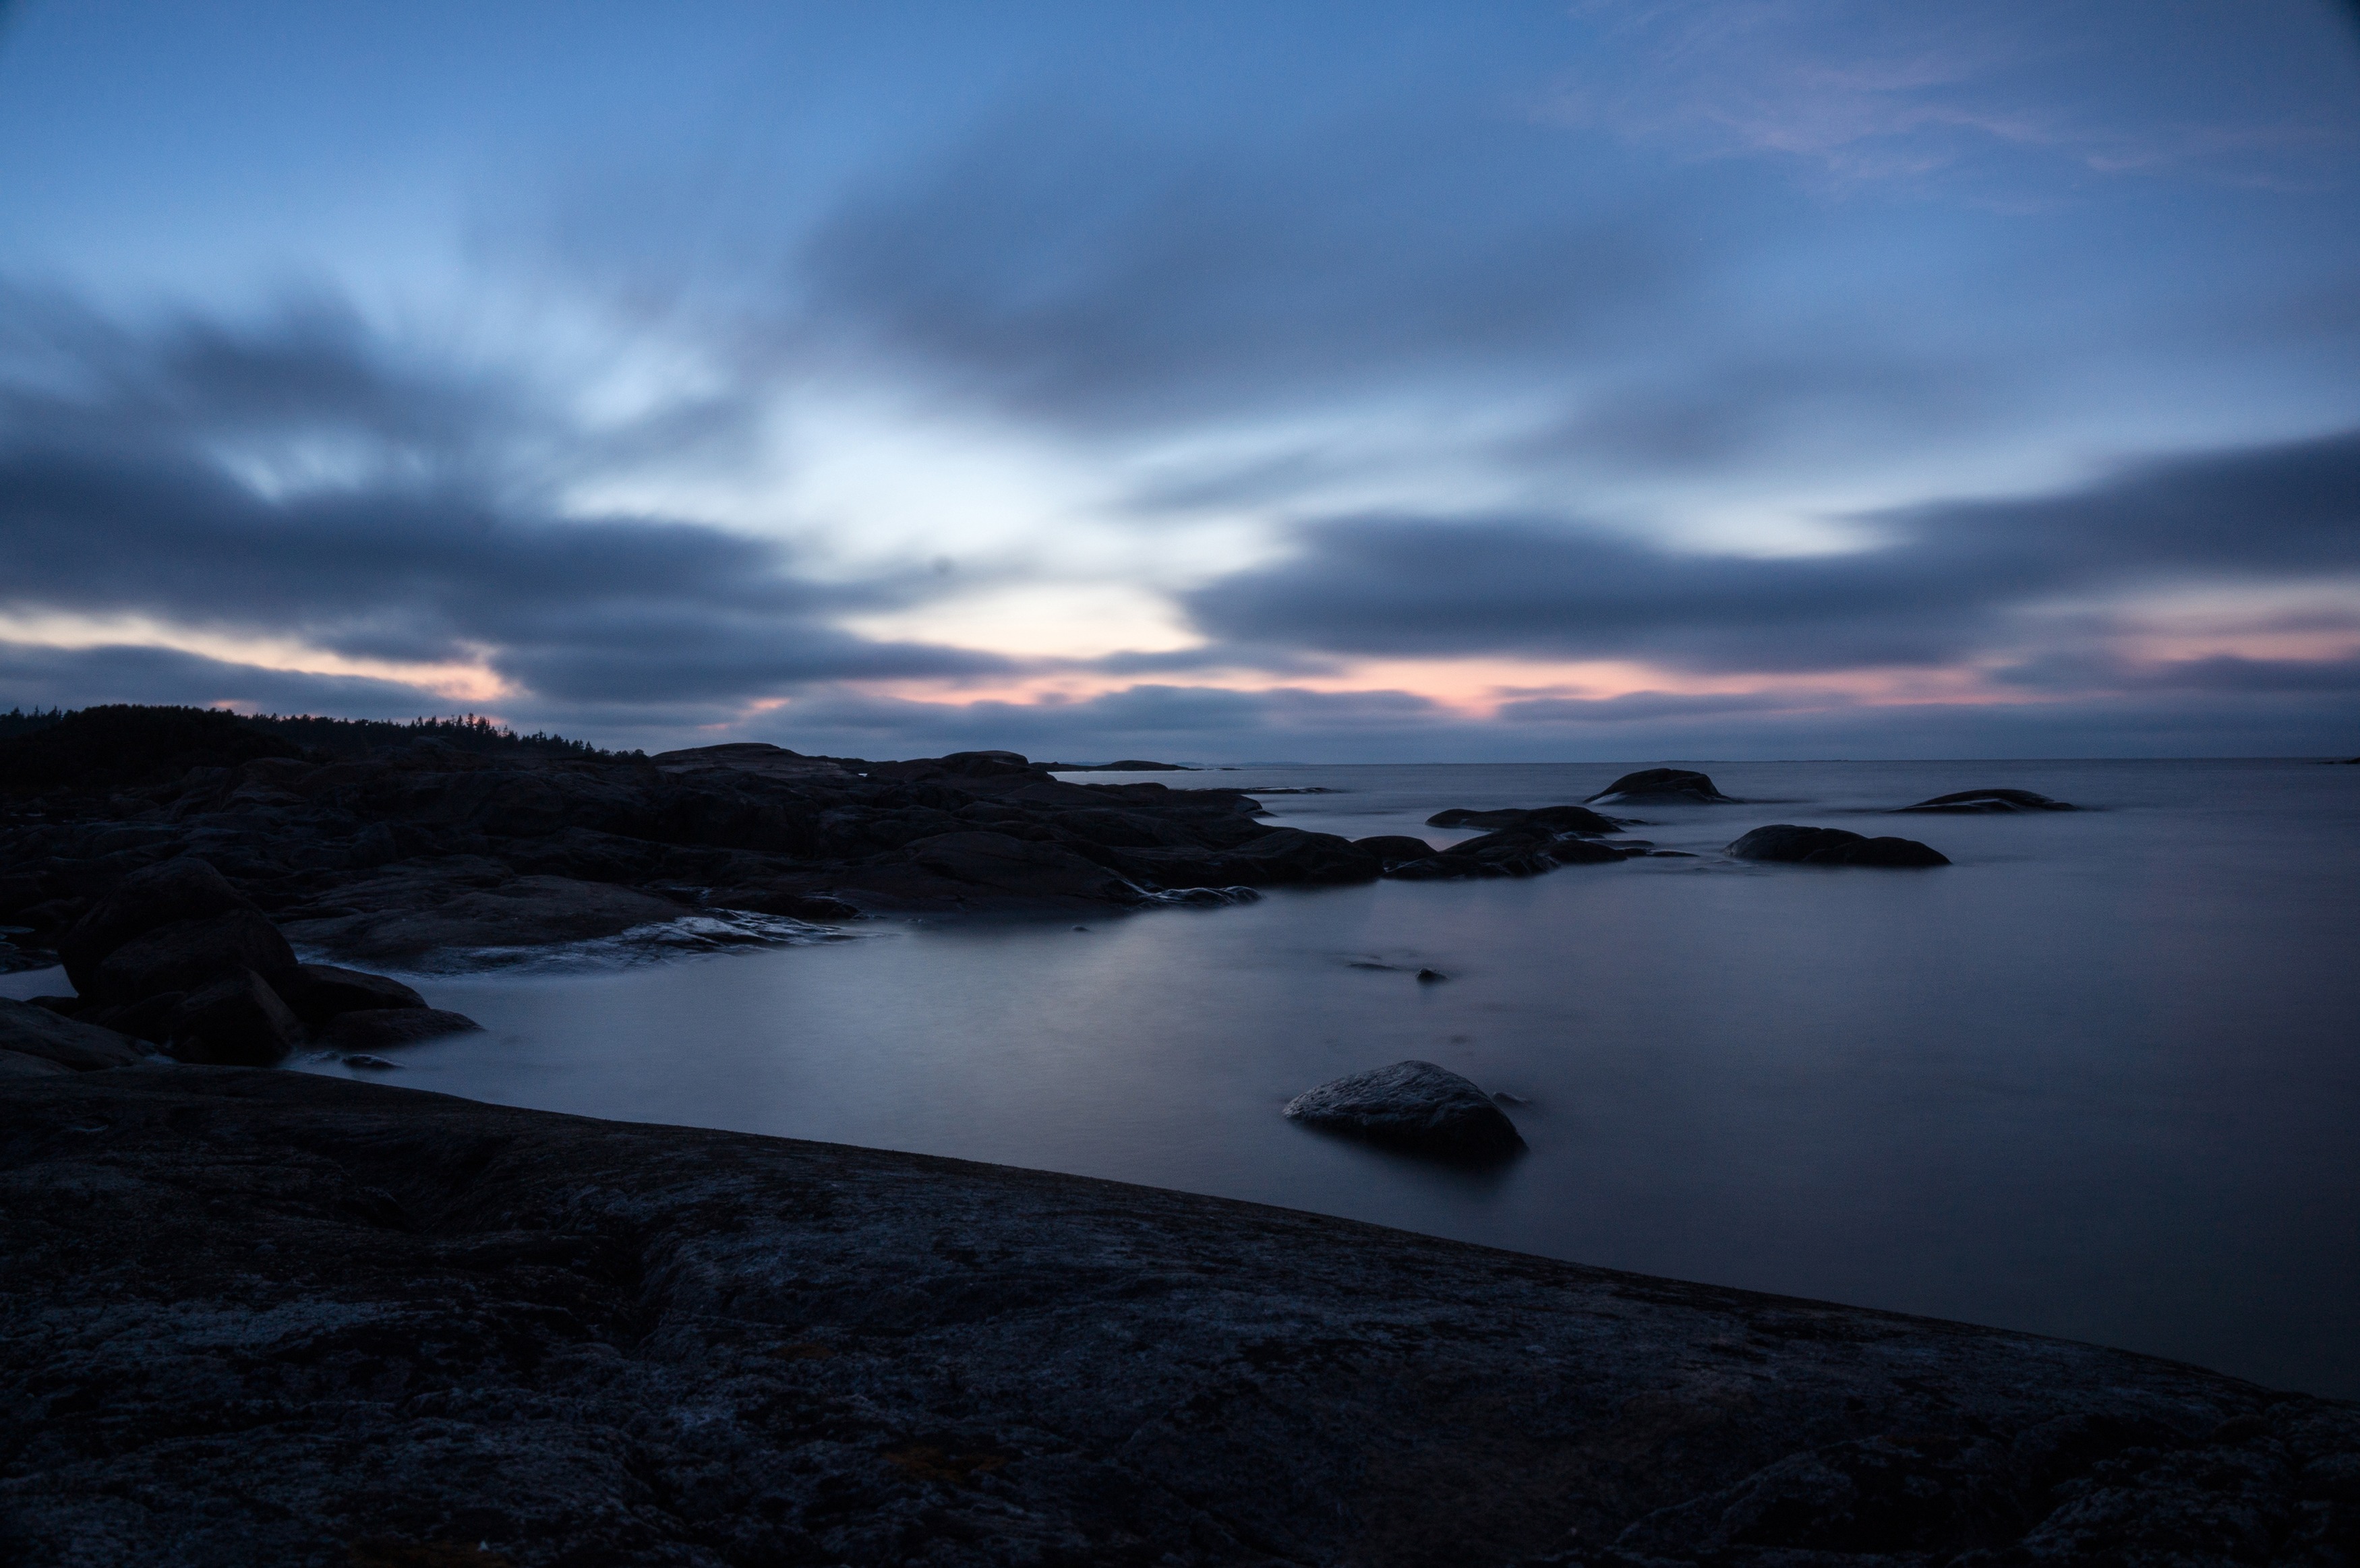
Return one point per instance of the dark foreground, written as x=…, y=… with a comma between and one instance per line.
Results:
x=254, y=1317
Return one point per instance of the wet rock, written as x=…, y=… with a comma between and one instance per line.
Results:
x=1787, y=843
x=273, y=1316
x=69, y=1045
x=1666, y=785
x=385, y=1028
x=1990, y=802
x=374, y=1064
x=237, y=1020
x=318, y=992
x=1412, y=1105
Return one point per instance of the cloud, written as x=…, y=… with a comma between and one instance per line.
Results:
x=1088, y=273
x=296, y=479
x=1954, y=580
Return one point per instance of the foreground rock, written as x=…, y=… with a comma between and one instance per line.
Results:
x=1413, y=1105
x=1662, y=786
x=270, y=1318
x=1785, y=842
x=35, y=1040
x=1990, y=802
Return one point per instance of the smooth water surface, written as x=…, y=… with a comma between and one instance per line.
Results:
x=2097, y=1079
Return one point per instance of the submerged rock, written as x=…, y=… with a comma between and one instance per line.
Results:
x=1668, y=785
x=1413, y=1105
x=1790, y=844
x=1991, y=802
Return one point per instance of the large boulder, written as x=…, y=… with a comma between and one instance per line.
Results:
x=214, y=919
x=238, y=1020
x=379, y=1029
x=1413, y=1105
x=1787, y=843
x=1664, y=786
x=71, y=1046
x=190, y=954
x=1990, y=802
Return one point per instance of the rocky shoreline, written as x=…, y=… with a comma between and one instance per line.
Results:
x=265, y=1317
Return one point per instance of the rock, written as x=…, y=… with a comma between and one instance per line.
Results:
x=1412, y=1105
x=1785, y=843
x=321, y=991
x=288, y=1318
x=72, y=1046
x=1007, y=865
x=1429, y=976
x=16, y=1064
x=237, y=1021
x=1667, y=785
x=179, y=891
x=1990, y=802
x=1527, y=850
x=1556, y=819
x=384, y=1029
x=188, y=954
x=1392, y=849
x=1278, y=857
x=374, y=1064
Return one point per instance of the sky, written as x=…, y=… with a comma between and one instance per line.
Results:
x=1603, y=380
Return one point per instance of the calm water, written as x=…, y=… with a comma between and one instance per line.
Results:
x=2099, y=1079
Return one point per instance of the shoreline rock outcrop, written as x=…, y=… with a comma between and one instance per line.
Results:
x=290, y=1318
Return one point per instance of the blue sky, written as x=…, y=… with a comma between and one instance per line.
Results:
x=1598, y=380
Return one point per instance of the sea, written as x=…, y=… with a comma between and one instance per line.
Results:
x=2098, y=1078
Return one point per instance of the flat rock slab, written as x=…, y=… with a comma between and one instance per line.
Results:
x=262, y=1317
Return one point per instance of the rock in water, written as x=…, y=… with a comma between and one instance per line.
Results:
x=379, y=1029
x=1790, y=845
x=1414, y=1106
x=1556, y=819
x=1991, y=802
x=1664, y=784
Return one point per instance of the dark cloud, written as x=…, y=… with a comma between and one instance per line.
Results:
x=1952, y=579
x=1089, y=275
x=295, y=480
